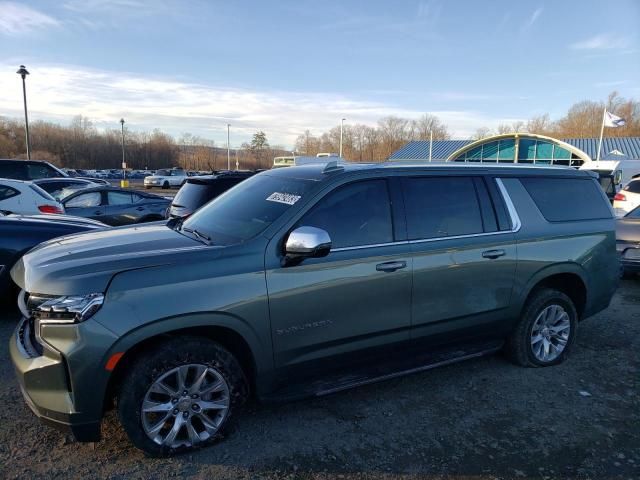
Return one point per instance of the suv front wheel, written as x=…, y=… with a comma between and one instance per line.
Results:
x=180, y=395
x=546, y=331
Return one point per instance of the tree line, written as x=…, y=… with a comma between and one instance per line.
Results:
x=367, y=143
x=81, y=145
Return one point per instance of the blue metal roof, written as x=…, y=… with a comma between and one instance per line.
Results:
x=629, y=146
x=442, y=149
x=419, y=149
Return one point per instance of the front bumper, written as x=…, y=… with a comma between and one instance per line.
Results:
x=152, y=183
x=55, y=387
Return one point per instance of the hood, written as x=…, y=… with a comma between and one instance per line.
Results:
x=61, y=219
x=628, y=229
x=85, y=263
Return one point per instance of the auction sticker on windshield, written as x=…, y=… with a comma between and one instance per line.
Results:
x=287, y=198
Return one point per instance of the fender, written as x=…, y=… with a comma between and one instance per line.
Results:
x=523, y=291
x=263, y=360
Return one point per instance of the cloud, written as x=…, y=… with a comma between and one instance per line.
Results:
x=17, y=19
x=59, y=92
x=609, y=84
x=532, y=19
x=603, y=41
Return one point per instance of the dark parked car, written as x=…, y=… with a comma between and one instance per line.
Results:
x=628, y=242
x=28, y=169
x=305, y=281
x=199, y=190
x=20, y=233
x=56, y=187
x=116, y=206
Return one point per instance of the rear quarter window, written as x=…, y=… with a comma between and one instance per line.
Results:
x=7, y=192
x=567, y=199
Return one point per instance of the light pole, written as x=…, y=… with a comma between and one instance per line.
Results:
x=341, y=129
x=124, y=165
x=228, y=149
x=23, y=72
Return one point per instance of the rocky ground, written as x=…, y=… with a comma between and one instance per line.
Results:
x=481, y=419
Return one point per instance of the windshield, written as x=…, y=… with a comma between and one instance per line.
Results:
x=248, y=208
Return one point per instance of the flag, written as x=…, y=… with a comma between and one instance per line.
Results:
x=611, y=120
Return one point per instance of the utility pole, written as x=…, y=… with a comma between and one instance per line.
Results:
x=124, y=164
x=341, y=129
x=430, y=144
x=228, y=149
x=23, y=72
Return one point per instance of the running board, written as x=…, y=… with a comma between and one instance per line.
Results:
x=366, y=375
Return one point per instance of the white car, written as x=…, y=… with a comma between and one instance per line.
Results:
x=627, y=199
x=166, y=178
x=26, y=198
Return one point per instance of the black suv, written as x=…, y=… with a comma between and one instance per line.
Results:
x=28, y=169
x=197, y=191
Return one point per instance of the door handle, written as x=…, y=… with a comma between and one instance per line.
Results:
x=98, y=212
x=493, y=254
x=140, y=209
x=391, y=266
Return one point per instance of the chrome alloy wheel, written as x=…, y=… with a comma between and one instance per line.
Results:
x=185, y=406
x=550, y=333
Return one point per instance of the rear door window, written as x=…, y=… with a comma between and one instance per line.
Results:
x=567, y=199
x=7, y=192
x=443, y=207
x=119, y=198
x=357, y=214
x=41, y=170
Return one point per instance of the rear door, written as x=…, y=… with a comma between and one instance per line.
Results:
x=121, y=210
x=464, y=254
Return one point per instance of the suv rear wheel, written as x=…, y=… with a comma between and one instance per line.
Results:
x=165, y=185
x=546, y=330
x=180, y=396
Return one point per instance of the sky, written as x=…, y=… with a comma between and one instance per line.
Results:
x=287, y=66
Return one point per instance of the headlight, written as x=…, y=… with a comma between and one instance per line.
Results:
x=64, y=309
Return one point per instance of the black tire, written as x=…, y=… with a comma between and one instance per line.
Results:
x=152, y=364
x=518, y=347
x=165, y=185
x=147, y=188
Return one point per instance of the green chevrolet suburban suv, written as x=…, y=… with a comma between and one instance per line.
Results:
x=306, y=281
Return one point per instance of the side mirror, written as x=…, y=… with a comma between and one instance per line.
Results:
x=306, y=242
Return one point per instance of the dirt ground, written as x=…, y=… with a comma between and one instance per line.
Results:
x=482, y=419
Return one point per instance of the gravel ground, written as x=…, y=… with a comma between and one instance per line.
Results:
x=481, y=419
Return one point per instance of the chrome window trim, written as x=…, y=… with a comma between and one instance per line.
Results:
x=455, y=237
x=374, y=245
x=516, y=224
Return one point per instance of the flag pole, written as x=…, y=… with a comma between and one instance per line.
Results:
x=604, y=114
x=430, y=144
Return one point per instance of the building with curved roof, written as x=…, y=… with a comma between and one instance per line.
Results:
x=524, y=148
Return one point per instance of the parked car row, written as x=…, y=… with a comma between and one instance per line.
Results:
x=306, y=281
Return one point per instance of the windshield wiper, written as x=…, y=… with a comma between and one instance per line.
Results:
x=205, y=238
